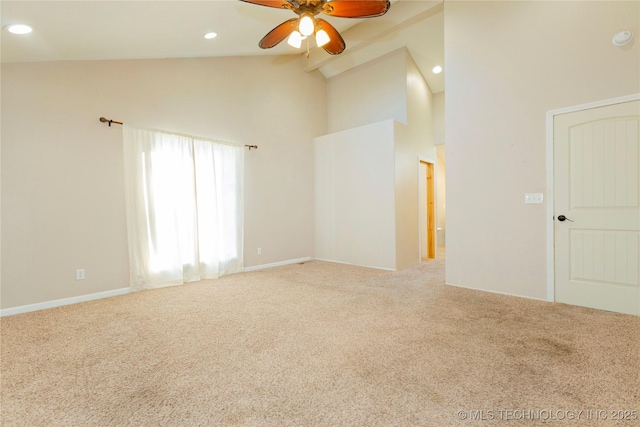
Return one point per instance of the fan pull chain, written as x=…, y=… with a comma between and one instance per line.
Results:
x=308, y=50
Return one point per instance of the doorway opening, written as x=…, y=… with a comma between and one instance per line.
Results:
x=427, y=212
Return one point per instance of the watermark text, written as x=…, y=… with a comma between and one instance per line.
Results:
x=548, y=414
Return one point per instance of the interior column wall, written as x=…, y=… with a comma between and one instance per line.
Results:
x=390, y=87
x=354, y=196
x=414, y=141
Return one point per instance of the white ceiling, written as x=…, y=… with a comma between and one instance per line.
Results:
x=98, y=30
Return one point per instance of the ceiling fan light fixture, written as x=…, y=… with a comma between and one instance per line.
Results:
x=295, y=40
x=307, y=25
x=322, y=38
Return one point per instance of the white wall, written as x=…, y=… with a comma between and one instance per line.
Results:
x=441, y=196
x=363, y=94
x=354, y=196
x=369, y=93
x=438, y=118
x=507, y=64
x=413, y=141
x=62, y=178
x=422, y=211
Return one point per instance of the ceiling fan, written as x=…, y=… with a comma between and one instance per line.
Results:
x=306, y=24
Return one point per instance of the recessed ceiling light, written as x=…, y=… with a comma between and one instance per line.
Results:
x=18, y=29
x=437, y=69
x=211, y=35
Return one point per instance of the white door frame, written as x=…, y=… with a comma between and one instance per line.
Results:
x=550, y=196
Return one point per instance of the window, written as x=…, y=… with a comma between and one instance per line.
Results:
x=184, y=207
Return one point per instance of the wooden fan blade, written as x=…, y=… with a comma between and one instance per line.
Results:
x=356, y=8
x=278, y=34
x=280, y=4
x=336, y=43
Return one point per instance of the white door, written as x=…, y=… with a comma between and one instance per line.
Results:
x=596, y=186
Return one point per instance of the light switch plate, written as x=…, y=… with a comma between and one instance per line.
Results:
x=533, y=198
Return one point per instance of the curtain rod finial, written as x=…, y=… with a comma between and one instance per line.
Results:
x=109, y=121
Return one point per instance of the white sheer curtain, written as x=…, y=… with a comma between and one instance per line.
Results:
x=184, y=199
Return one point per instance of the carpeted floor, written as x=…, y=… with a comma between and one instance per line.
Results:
x=320, y=344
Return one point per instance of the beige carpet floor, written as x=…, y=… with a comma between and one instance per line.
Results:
x=320, y=344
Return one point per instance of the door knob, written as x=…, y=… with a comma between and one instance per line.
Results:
x=564, y=218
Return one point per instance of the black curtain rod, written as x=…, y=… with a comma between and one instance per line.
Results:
x=103, y=120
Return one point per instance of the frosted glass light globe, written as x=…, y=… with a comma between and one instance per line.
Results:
x=306, y=25
x=295, y=40
x=322, y=38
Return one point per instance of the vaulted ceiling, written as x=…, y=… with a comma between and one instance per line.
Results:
x=98, y=30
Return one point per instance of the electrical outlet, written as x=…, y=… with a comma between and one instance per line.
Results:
x=259, y=251
x=80, y=274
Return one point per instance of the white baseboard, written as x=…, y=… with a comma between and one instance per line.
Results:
x=276, y=264
x=61, y=302
x=496, y=292
x=106, y=294
x=116, y=292
x=355, y=265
